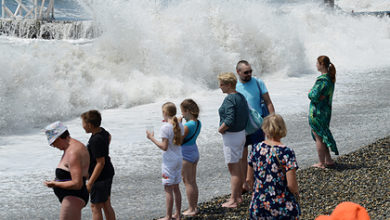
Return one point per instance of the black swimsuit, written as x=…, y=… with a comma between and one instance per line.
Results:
x=63, y=175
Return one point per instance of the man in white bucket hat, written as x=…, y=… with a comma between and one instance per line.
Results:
x=71, y=173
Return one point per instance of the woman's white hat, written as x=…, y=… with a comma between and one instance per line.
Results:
x=54, y=130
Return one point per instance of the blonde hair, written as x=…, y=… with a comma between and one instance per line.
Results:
x=191, y=106
x=274, y=126
x=170, y=109
x=228, y=78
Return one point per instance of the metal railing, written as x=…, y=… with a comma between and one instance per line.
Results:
x=22, y=11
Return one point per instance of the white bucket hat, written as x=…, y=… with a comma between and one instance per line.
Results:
x=54, y=130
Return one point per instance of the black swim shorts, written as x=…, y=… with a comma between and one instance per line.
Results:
x=100, y=191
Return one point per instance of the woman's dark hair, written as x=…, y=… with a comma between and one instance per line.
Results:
x=324, y=60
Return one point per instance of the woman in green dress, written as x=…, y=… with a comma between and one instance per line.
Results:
x=321, y=110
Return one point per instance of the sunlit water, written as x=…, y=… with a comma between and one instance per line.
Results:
x=150, y=53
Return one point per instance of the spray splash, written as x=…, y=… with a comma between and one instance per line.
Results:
x=152, y=50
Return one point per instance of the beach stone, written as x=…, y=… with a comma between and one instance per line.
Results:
x=362, y=176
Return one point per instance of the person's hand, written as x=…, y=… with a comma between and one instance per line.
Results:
x=89, y=186
x=220, y=130
x=49, y=183
x=149, y=134
x=250, y=183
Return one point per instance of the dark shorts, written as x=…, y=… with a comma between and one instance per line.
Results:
x=62, y=193
x=100, y=191
x=255, y=138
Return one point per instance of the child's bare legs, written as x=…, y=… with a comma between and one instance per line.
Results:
x=236, y=185
x=97, y=211
x=108, y=210
x=177, y=193
x=323, y=153
x=170, y=191
x=168, y=201
x=189, y=179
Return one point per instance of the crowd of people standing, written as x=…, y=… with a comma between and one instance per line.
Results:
x=268, y=169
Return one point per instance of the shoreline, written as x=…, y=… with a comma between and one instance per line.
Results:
x=361, y=176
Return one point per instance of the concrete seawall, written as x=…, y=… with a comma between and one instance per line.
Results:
x=373, y=13
x=40, y=29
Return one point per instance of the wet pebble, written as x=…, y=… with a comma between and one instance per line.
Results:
x=362, y=177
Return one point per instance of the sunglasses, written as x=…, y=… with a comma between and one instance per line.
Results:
x=248, y=72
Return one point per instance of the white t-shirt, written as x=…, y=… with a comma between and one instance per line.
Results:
x=173, y=154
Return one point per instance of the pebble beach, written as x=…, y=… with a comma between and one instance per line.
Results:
x=362, y=176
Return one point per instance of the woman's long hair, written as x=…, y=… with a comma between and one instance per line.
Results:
x=324, y=60
x=170, y=109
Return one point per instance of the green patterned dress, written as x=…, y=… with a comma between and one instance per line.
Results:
x=321, y=110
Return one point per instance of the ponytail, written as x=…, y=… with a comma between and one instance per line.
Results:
x=324, y=60
x=170, y=109
x=332, y=72
x=177, y=137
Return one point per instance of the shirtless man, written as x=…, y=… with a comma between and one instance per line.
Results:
x=71, y=173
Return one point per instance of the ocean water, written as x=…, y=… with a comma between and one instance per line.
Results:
x=151, y=52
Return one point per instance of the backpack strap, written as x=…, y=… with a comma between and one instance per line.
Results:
x=263, y=106
x=193, y=135
x=258, y=86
